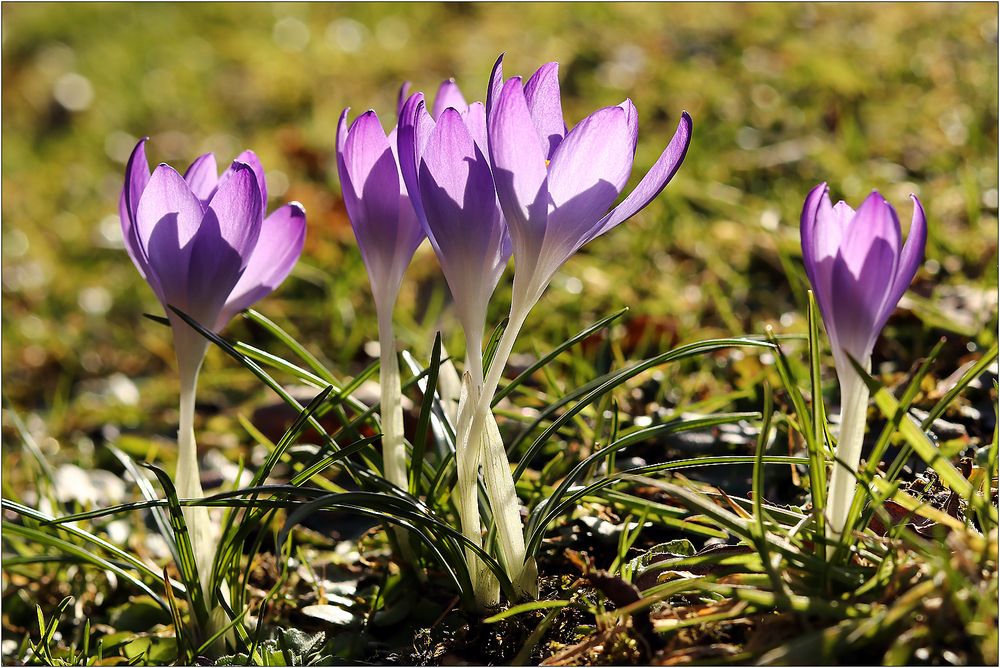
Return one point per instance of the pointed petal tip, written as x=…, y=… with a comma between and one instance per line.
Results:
x=297, y=205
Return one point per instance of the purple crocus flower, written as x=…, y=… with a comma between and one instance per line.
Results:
x=381, y=214
x=858, y=266
x=859, y=269
x=202, y=243
x=556, y=186
x=388, y=232
x=444, y=165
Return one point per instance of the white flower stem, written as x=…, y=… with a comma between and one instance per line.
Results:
x=190, y=349
x=483, y=430
x=394, y=460
x=854, y=396
x=468, y=458
x=391, y=406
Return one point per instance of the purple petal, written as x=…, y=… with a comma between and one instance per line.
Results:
x=381, y=215
x=587, y=172
x=203, y=177
x=807, y=228
x=860, y=289
x=496, y=85
x=282, y=235
x=167, y=219
x=410, y=232
x=448, y=96
x=831, y=224
x=475, y=121
x=404, y=92
x=910, y=259
x=545, y=105
x=249, y=158
x=632, y=119
x=819, y=268
x=238, y=209
x=653, y=182
x=136, y=178
x=414, y=129
x=520, y=172
x=874, y=222
x=225, y=241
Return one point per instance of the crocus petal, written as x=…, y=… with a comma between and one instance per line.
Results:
x=249, y=158
x=807, y=228
x=203, y=177
x=819, y=266
x=413, y=131
x=475, y=121
x=372, y=201
x=448, y=96
x=519, y=169
x=226, y=238
x=167, y=219
x=874, y=223
x=136, y=178
x=404, y=92
x=496, y=85
x=910, y=259
x=831, y=224
x=587, y=172
x=632, y=120
x=385, y=225
x=653, y=182
x=410, y=232
x=545, y=104
x=238, y=209
x=282, y=235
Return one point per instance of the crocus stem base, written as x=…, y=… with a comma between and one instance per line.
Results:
x=393, y=449
x=499, y=480
x=854, y=396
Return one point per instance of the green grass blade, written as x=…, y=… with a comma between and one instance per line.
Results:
x=592, y=391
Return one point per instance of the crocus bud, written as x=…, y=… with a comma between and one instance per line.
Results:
x=859, y=269
x=858, y=266
x=381, y=214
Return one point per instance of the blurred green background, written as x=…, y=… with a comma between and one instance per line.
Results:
x=902, y=98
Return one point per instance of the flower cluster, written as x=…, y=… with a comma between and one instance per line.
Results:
x=487, y=182
x=484, y=183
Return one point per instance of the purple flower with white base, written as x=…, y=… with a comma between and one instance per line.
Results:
x=858, y=266
x=448, y=176
x=202, y=243
x=859, y=269
x=388, y=233
x=443, y=158
x=381, y=214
